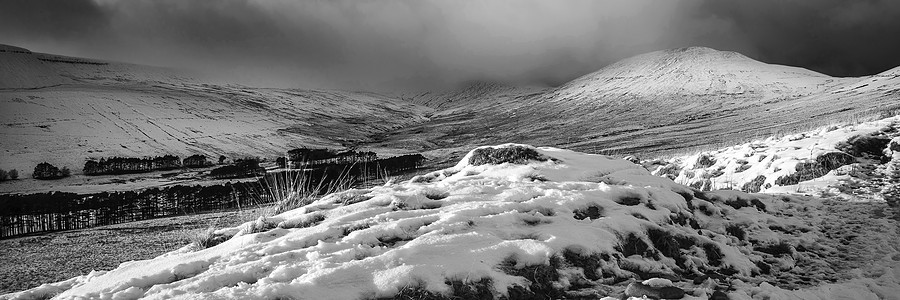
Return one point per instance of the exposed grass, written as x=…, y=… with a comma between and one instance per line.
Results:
x=206, y=238
x=27, y=262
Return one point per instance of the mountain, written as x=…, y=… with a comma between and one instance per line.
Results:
x=663, y=102
x=64, y=110
x=518, y=222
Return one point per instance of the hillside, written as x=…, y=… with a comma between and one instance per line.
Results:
x=661, y=102
x=513, y=222
x=64, y=110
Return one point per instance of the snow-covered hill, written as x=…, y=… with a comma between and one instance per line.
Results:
x=514, y=222
x=64, y=110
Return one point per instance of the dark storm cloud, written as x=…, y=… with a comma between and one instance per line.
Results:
x=437, y=42
x=836, y=37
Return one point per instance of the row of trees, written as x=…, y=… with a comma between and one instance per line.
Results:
x=305, y=158
x=247, y=167
x=127, y=165
x=52, y=211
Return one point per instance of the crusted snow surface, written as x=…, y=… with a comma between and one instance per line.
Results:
x=757, y=166
x=595, y=221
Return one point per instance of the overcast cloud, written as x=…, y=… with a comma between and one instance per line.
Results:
x=424, y=43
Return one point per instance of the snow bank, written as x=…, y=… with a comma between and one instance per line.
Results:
x=817, y=162
x=556, y=223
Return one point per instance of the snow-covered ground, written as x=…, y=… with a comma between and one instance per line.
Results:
x=852, y=161
x=513, y=221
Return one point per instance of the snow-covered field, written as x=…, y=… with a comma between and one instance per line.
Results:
x=856, y=162
x=515, y=221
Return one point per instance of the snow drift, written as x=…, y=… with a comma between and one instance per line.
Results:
x=509, y=221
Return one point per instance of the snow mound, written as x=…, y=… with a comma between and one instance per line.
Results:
x=544, y=221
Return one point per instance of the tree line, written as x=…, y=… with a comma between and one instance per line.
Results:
x=306, y=157
x=129, y=165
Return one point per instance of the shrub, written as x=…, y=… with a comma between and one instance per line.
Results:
x=13, y=174
x=3, y=175
x=754, y=185
x=45, y=171
x=705, y=161
x=512, y=154
x=834, y=160
x=865, y=145
x=207, y=238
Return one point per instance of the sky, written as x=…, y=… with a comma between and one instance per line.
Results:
x=438, y=43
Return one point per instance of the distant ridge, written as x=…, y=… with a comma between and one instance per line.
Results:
x=24, y=69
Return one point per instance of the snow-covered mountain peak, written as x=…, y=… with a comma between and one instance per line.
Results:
x=695, y=71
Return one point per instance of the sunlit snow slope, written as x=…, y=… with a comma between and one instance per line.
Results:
x=852, y=161
x=515, y=221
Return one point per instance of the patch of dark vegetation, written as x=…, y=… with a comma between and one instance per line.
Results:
x=434, y=195
x=705, y=161
x=683, y=219
x=754, y=185
x=713, y=254
x=482, y=289
x=764, y=268
x=540, y=278
x=703, y=185
x=737, y=231
x=869, y=146
x=670, y=245
x=744, y=202
x=742, y=168
x=512, y=154
x=533, y=220
x=803, y=171
x=355, y=227
x=629, y=200
x=590, y=263
x=640, y=290
x=592, y=212
x=633, y=244
x=639, y=216
x=779, y=249
x=688, y=199
x=670, y=171
x=390, y=241
x=834, y=160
